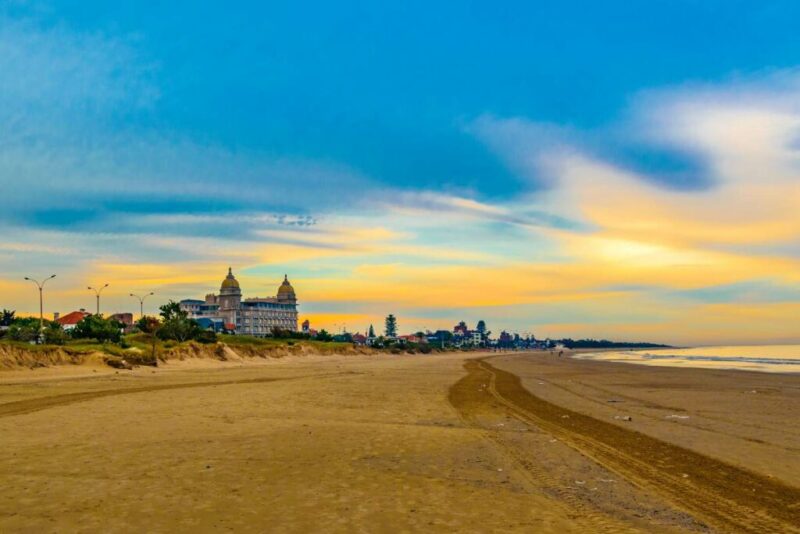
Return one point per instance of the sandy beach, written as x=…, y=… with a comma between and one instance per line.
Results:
x=451, y=442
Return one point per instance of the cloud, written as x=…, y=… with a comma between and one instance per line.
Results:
x=687, y=205
x=79, y=136
x=747, y=292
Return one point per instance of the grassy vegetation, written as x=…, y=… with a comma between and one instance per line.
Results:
x=234, y=341
x=143, y=343
x=145, y=349
x=78, y=346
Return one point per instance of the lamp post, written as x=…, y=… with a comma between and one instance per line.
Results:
x=141, y=302
x=40, y=285
x=97, y=295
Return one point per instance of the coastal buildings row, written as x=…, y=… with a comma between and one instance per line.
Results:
x=255, y=316
x=226, y=311
x=461, y=336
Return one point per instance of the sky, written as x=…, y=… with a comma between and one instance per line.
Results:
x=623, y=170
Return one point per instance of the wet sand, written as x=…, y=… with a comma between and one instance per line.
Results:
x=397, y=443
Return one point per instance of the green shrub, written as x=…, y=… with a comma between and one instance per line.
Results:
x=179, y=329
x=99, y=328
x=23, y=332
x=206, y=336
x=54, y=335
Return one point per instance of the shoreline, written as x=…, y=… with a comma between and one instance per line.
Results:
x=772, y=359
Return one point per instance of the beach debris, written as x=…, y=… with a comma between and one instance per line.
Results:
x=607, y=480
x=499, y=470
x=580, y=482
x=623, y=417
x=685, y=475
x=615, y=400
x=553, y=440
x=541, y=383
x=565, y=416
x=673, y=416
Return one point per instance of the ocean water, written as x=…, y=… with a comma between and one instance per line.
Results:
x=765, y=358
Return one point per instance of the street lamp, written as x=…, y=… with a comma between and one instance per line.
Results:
x=97, y=295
x=141, y=302
x=40, y=285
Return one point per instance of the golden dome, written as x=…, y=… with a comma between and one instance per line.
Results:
x=286, y=289
x=230, y=282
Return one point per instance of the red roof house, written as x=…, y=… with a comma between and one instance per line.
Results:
x=69, y=321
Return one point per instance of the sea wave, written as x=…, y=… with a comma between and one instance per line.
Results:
x=737, y=359
x=766, y=358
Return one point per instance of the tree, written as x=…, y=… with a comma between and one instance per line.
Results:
x=371, y=331
x=99, y=328
x=345, y=337
x=176, y=324
x=7, y=318
x=24, y=329
x=172, y=310
x=391, y=326
x=148, y=324
x=481, y=327
x=54, y=334
x=179, y=328
x=323, y=335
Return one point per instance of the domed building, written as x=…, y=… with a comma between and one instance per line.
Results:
x=286, y=291
x=255, y=316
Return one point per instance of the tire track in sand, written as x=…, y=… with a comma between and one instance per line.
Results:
x=727, y=497
x=42, y=403
x=585, y=517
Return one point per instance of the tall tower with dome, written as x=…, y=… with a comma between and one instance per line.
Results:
x=286, y=292
x=230, y=294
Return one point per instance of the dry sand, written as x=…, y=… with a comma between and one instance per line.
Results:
x=400, y=443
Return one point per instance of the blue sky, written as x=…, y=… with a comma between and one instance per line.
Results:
x=187, y=134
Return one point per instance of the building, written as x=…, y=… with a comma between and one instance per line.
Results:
x=255, y=316
x=70, y=320
x=215, y=325
x=359, y=339
x=477, y=337
x=126, y=318
x=413, y=338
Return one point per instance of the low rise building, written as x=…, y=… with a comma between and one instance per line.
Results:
x=70, y=320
